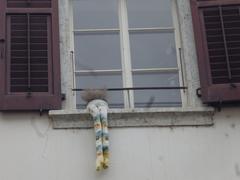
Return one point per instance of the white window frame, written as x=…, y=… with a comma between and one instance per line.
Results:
x=192, y=112
x=127, y=70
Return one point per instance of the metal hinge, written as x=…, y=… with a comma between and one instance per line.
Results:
x=29, y=93
x=198, y=92
x=219, y=105
x=63, y=96
x=233, y=86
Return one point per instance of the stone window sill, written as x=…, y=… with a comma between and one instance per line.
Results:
x=120, y=118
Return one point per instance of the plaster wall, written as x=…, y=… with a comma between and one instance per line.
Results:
x=31, y=149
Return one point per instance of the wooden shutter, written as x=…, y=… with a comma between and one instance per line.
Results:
x=30, y=67
x=217, y=34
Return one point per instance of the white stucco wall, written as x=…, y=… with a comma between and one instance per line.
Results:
x=31, y=149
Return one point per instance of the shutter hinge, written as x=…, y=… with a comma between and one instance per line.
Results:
x=41, y=111
x=233, y=86
x=198, y=92
x=29, y=93
x=219, y=105
x=63, y=96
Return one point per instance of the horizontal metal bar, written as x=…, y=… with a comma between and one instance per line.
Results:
x=137, y=88
x=155, y=29
x=118, y=71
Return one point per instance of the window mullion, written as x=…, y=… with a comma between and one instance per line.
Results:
x=126, y=54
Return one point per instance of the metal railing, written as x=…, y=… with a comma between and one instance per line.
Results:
x=136, y=88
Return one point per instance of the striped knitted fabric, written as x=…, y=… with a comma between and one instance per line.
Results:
x=98, y=109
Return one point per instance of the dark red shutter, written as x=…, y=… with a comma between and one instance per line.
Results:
x=217, y=34
x=29, y=55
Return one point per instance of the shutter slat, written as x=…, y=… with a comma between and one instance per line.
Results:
x=29, y=3
x=216, y=40
x=38, y=22
x=38, y=53
x=18, y=23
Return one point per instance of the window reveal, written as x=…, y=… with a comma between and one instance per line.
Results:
x=115, y=47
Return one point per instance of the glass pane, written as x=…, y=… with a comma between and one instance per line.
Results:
x=115, y=98
x=95, y=14
x=149, y=13
x=97, y=51
x=153, y=50
x=156, y=98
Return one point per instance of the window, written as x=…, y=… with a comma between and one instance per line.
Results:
x=29, y=67
x=107, y=25
x=217, y=34
x=125, y=44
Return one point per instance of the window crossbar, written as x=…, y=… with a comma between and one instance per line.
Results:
x=114, y=30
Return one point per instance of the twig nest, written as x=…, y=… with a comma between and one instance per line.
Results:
x=92, y=94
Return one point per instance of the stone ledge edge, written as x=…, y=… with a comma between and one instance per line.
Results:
x=121, y=118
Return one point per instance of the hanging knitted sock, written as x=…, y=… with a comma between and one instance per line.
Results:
x=105, y=135
x=99, y=145
x=94, y=111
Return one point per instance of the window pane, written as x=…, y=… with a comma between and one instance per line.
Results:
x=97, y=51
x=156, y=98
x=95, y=14
x=115, y=98
x=153, y=50
x=149, y=13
